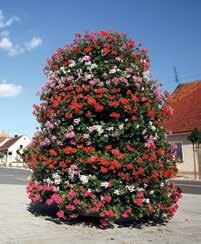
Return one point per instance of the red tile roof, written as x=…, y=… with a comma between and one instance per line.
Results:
x=2, y=139
x=9, y=143
x=186, y=102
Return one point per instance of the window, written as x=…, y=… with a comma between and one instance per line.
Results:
x=179, y=150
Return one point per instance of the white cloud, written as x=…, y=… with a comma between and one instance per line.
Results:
x=9, y=45
x=9, y=89
x=6, y=22
x=6, y=43
x=35, y=42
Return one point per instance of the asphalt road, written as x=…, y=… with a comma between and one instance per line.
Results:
x=13, y=176
x=19, y=177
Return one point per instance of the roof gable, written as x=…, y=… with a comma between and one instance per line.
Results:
x=9, y=143
x=186, y=103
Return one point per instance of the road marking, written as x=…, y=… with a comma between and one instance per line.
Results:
x=187, y=185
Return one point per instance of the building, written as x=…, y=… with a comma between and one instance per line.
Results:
x=186, y=102
x=10, y=149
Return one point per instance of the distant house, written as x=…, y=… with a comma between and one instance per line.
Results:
x=186, y=102
x=10, y=148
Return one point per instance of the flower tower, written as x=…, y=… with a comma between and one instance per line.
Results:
x=102, y=149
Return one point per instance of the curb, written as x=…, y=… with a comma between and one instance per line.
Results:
x=20, y=168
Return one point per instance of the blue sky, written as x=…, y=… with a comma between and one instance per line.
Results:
x=30, y=31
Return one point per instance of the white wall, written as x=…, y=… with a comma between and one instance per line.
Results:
x=24, y=141
x=187, y=167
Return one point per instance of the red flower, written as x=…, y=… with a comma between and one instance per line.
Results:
x=98, y=107
x=69, y=150
x=92, y=159
x=115, y=115
x=68, y=116
x=87, y=49
x=160, y=151
x=151, y=113
x=140, y=195
x=138, y=202
x=107, y=199
x=53, y=152
x=131, y=43
x=76, y=106
x=129, y=166
x=104, y=170
x=91, y=101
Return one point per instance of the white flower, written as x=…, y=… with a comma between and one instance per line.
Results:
x=144, y=132
x=147, y=200
x=162, y=184
x=63, y=69
x=121, y=126
x=84, y=179
x=57, y=178
x=110, y=128
x=147, y=75
x=72, y=63
x=117, y=192
x=88, y=76
x=151, y=192
x=94, y=66
x=99, y=129
x=105, y=184
x=48, y=181
x=88, y=63
x=131, y=188
x=153, y=128
x=77, y=121
x=113, y=70
x=86, y=136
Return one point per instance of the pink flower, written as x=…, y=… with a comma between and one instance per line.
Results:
x=70, y=207
x=86, y=58
x=60, y=214
x=125, y=215
x=49, y=201
x=72, y=193
x=150, y=208
x=56, y=198
x=104, y=222
x=70, y=135
x=107, y=198
x=109, y=213
x=140, y=195
x=138, y=202
x=93, y=82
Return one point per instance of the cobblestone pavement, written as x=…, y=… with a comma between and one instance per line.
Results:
x=19, y=226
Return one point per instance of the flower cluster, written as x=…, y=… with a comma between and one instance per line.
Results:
x=102, y=148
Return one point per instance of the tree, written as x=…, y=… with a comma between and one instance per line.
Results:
x=102, y=149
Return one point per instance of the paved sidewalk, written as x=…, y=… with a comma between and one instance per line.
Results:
x=18, y=226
